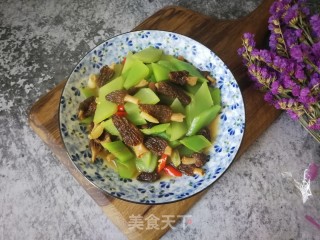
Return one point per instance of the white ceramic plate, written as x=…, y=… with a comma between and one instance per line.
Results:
x=230, y=127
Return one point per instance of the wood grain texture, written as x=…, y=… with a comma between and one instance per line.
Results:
x=224, y=38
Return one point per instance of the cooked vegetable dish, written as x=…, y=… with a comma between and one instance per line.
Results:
x=150, y=115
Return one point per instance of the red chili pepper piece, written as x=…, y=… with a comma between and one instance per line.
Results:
x=121, y=108
x=162, y=162
x=121, y=111
x=124, y=61
x=121, y=114
x=172, y=171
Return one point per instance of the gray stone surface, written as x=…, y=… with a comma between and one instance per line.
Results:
x=40, y=43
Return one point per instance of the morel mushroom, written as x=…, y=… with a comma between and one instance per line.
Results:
x=95, y=148
x=87, y=108
x=104, y=137
x=190, y=169
x=173, y=92
x=192, y=165
x=182, y=78
x=198, y=159
x=148, y=177
x=120, y=97
x=105, y=76
x=95, y=144
x=130, y=134
x=186, y=169
x=201, y=159
x=206, y=74
x=158, y=146
x=206, y=133
x=159, y=113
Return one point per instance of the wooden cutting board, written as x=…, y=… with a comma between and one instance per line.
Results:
x=224, y=38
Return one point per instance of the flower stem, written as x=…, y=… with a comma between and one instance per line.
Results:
x=307, y=60
x=313, y=133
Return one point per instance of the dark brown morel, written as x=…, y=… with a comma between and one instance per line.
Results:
x=95, y=148
x=179, y=77
x=162, y=113
x=148, y=177
x=187, y=169
x=87, y=108
x=105, y=75
x=173, y=92
x=117, y=96
x=200, y=158
x=120, y=97
x=156, y=145
x=206, y=133
x=130, y=134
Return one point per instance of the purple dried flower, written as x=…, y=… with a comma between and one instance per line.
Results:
x=316, y=125
x=304, y=92
x=256, y=84
x=243, y=55
x=273, y=41
x=299, y=72
x=290, y=71
x=241, y=51
x=290, y=36
x=283, y=104
x=291, y=65
x=293, y=115
x=296, y=90
x=303, y=8
x=309, y=68
x=283, y=64
x=314, y=81
x=278, y=7
x=277, y=104
x=255, y=53
x=252, y=69
x=316, y=49
x=304, y=96
x=291, y=15
x=287, y=81
x=264, y=73
x=249, y=38
x=315, y=24
x=275, y=87
x=297, y=53
x=271, y=25
x=269, y=97
x=312, y=100
x=266, y=56
x=312, y=172
x=298, y=33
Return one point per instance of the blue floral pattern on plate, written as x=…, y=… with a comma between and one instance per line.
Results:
x=230, y=126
